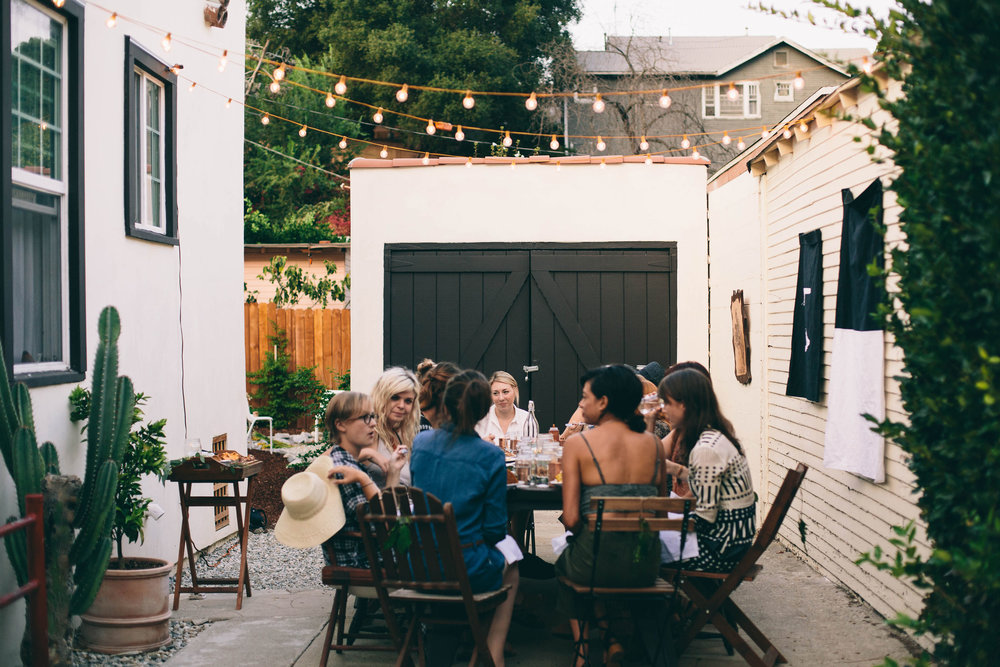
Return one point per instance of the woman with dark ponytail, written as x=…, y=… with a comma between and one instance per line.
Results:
x=456, y=465
x=615, y=458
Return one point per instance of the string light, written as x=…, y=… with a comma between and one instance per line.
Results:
x=275, y=87
x=341, y=86
x=725, y=139
x=468, y=163
x=265, y=119
x=229, y=102
x=598, y=104
x=507, y=141
x=427, y=158
x=603, y=164
x=764, y=134
x=695, y=154
x=803, y=126
x=194, y=84
x=378, y=117
x=531, y=103
x=468, y=101
x=554, y=144
x=558, y=165
x=223, y=60
x=685, y=142
x=176, y=68
x=459, y=134
x=331, y=101
x=732, y=93
x=403, y=93
x=430, y=127
x=600, y=144
x=786, y=133
x=112, y=20
x=302, y=131
x=513, y=165
x=799, y=82
x=343, y=143
x=279, y=73
x=384, y=153
x=665, y=100
x=740, y=145
x=59, y=3
x=866, y=65
x=649, y=159
x=643, y=144
x=166, y=41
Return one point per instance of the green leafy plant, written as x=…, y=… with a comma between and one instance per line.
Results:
x=144, y=455
x=292, y=283
x=287, y=395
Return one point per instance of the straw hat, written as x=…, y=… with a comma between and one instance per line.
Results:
x=314, y=510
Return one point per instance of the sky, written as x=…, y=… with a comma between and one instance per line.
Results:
x=709, y=18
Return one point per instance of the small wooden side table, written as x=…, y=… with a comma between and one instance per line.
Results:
x=209, y=471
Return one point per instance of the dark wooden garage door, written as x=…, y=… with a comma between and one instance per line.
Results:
x=562, y=308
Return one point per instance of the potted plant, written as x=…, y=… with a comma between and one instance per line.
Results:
x=131, y=610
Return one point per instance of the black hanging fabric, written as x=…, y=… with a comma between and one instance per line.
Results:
x=858, y=295
x=805, y=369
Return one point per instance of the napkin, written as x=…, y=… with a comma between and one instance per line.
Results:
x=508, y=547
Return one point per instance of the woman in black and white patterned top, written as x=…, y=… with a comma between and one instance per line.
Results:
x=725, y=510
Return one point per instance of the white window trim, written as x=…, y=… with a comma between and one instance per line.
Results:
x=784, y=98
x=144, y=223
x=48, y=185
x=717, y=92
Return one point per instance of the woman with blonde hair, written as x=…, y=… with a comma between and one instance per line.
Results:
x=505, y=419
x=397, y=415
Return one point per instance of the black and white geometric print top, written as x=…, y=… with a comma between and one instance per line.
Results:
x=719, y=477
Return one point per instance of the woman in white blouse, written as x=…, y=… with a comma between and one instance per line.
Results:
x=505, y=419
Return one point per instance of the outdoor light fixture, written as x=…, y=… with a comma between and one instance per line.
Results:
x=468, y=163
x=459, y=134
x=665, y=100
x=279, y=73
x=799, y=82
x=740, y=145
x=600, y=144
x=732, y=93
x=265, y=119
x=275, y=87
x=725, y=139
x=302, y=131
x=378, y=117
x=643, y=144
x=343, y=143
x=764, y=134
x=223, y=60
x=695, y=154
x=786, y=134
x=554, y=144
x=384, y=153
x=685, y=142
x=531, y=103
x=803, y=126
x=430, y=127
x=194, y=84
x=866, y=65
x=331, y=101
x=229, y=102
x=426, y=159
x=468, y=101
x=112, y=20
x=167, y=39
x=649, y=159
x=598, y=104
x=403, y=93
x=507, y=141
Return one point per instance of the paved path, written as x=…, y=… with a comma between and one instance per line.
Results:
x=812, y=621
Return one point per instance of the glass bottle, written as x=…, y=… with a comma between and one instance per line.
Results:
x=529, y=433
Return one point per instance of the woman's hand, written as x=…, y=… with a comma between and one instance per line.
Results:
x=348, y=475
x=398, y=460
x=676, y=470
x=375, y=456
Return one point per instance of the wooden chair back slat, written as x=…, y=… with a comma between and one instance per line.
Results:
x=633, y=525
x=435, y=565
x=653, y=510
x=645, y=504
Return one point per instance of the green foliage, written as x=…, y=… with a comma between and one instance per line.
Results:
x=144, y=455
x=945, y=141
x=292, y=283
x=286, y=395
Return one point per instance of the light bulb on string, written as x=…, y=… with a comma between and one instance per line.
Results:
x=302, y=131
x=507, y=141
x=384, y=153
x=600, y=144
x=531, y=103
x=803, y=126
x=59, y=3
x=685, y=142
x=740, y=145
x=194, y=84
x=112, y=20
x=866, y=65
x=279, y=73
x=786, y=133
x=229, y=102
x=403, y=93
x=598, y=104
x=732, y=93
x=265, y=119
x=166, y=41
x=643, y=144
x=223, y=59
x=799, y=82
x=554, y=143
x=764, y=134
x=603, y=163
x=695, y=154
x=430, y=129
x=426, y=159
x=331, y=101
x=468, y=163
x=513, y=165
x=459, y=134
x=665, y=100
x=341, y=87
x=725, y=139
x=468, y=101
x=342, y=143
x=649, y=159
x=176, y=68
x=378, y=117
x=558, y=165
x=275, y=87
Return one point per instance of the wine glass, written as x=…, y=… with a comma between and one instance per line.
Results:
x=192, y=446
x=650, y=404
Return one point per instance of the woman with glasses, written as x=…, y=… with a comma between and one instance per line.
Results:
x=350, y=422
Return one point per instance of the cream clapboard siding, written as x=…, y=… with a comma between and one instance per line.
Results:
x=845, y=515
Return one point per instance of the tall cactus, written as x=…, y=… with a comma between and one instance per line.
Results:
x=109, y=423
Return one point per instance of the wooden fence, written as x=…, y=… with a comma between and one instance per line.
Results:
x=316, y=337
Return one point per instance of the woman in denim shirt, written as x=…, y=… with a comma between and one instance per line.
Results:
x=459, y=467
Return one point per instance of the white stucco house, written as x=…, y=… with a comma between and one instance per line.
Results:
x=121, y=185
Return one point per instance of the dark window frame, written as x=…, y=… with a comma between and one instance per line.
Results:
x=73, y=13
x=138, y=57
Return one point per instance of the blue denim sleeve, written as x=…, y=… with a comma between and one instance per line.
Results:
x=495, y=511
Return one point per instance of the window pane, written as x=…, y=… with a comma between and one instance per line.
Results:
x=153, y=105
x=37, y=277
x=752, y=92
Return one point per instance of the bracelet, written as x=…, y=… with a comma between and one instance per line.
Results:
x=369, y=482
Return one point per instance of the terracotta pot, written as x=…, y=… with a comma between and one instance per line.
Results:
x=131, y=611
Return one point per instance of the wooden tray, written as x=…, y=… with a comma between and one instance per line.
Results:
x=210, y=470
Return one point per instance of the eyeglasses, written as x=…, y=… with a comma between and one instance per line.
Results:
x=368, y=418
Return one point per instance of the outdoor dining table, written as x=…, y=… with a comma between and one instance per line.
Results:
x=521, y=497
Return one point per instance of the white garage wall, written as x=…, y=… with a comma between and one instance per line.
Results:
x=531, y=203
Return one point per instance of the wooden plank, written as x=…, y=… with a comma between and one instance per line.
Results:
x=345, y=341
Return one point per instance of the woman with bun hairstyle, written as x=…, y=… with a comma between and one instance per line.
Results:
x=456, y=465
x=719, y=476
x=432, y=387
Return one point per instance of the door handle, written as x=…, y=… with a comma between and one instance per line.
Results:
x=529, y=369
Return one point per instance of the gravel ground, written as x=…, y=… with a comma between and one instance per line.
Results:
x=272, y=567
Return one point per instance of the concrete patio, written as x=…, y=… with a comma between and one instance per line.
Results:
x=810, y=619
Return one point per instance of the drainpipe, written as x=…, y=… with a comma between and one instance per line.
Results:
x=566, y=123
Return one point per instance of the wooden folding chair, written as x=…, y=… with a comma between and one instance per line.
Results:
x=643, y=514
x=34, y=588
x=414, y=536
x=719, y=608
